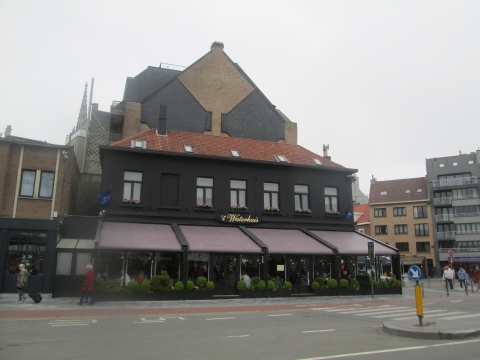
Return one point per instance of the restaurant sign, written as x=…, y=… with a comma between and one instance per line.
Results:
x=238, y=219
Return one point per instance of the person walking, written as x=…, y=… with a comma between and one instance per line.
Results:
x=87, y=288
x=448, y=275
x=476, y=277
x=22, y=279
x=462, y=276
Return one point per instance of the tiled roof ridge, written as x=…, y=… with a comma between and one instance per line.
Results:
x=415, y=178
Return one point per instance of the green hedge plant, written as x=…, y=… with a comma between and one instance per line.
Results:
x=178, y=286
x=316, y=285
x=161, y=282
x=190, y=285
x=210, y=285
x=271, y=285
x=241, y=285
x=201, y=282
x=133, y=286
x=332, y=283
x=288, y=285
x=260, y=285
x=343, y=283
x=146, y=286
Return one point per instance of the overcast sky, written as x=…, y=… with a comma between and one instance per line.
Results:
x=386, y=84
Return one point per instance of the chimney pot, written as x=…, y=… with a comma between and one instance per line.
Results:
x=8, y=130
x=217, y=44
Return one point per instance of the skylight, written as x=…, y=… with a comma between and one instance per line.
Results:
x=281, y=158
x=383, y=192
x=188, y=148
x=407, y=191
x=441, y=165
x=317, y=161
x=419, y=190
x=235, y=153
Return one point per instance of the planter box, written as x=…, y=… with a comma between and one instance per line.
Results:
x=197, y=295
x=325, y=292
x=387, y=291
x=278, y=293
x=251, y=294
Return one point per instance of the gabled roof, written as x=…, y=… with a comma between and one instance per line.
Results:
x=221, y=146
x=363, y=211
x=401, y=190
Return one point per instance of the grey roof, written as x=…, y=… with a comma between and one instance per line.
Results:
x=147, y=82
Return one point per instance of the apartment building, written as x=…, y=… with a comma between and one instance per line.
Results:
x=400, y=217
x=455, y=206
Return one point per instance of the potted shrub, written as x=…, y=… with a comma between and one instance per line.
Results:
x=210, y=285
x=241, y=286
x=178, y=286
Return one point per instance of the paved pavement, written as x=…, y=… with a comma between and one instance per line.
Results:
x=438, y=329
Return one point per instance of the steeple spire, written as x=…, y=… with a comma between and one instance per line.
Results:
x=82, y=116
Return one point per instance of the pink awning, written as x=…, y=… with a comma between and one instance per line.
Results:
x=283, y=241
x=352, y=243
x=218, y=239
x=136, y=236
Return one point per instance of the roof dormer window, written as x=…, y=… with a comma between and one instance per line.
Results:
x=317, y=161
x=188, y=148
x=281, y=158
x=138, y=144
x=235, y=153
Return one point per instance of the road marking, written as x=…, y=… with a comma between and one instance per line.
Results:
x=434, y=315
x=390, y=350
x=280, y=315
x=317, y=331
x=413, y=313
x=60, y=322
x=227, y=318
x=232, y=336
x=456, y=301
x=460, y=317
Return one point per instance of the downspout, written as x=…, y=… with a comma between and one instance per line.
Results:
x=17, y=188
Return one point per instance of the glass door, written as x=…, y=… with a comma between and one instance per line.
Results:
x=299, y=273
x=224, y=274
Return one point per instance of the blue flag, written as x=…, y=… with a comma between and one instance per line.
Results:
x=348, y=213
x=105, y=198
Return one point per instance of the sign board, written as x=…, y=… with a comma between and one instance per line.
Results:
x=238, y=219
x=450, y=252
x=414, y=272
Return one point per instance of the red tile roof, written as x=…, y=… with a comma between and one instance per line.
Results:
x=396, y=190
x=211, y=145
x=364, y=210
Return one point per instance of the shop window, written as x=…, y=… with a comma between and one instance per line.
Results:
x=322, y=267
x=331, y=199
x=132, y=185
x=198, y=266
x=276, y=267
x=271, y=195
x=204, y=190
x=28, y=248
x=37, y=184
x=83, y=259
x=301, y=197
x=250, y=265
x=238, y=189
x=168, y=264
x=64, y=263
x=421, y=230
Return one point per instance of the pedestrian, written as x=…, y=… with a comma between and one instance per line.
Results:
x=462, y=276
x=476, y=277
x=87, y=287
x=448, y=275
x=22, y=279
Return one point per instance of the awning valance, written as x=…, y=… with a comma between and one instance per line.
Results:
x=138, y=236
x=412, y=260
x=284, y=241
x=353, y=243
x=218, y=239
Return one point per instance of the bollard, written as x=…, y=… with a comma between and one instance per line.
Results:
x=466, y=287
x=423, y=291
x=446, y=287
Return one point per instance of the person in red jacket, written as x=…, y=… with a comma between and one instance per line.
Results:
x=87, y=287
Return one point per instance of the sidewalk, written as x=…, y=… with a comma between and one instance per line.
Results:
x=67, y=307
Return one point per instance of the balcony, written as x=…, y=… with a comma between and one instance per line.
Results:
x=444, y=218
x=446, y=235
x=455, y=182
x=466, y=215
x=460, y=254
x=442, y=201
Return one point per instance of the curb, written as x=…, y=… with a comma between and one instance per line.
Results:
x=432, y=331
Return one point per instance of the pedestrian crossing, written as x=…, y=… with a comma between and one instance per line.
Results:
x=388, y=312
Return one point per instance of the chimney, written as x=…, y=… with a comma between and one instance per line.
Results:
x=8, y=130
x=217, y=44
x=162, y=120
x=372, y=181
x=325, y=151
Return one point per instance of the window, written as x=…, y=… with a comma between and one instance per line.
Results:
x=37, y=184
x=455, y=164
x=188, y=148
x=204, y=190
x=402, y=246
x=382, y=193
x=419, y=190
x=401, y=229
x=270, y=195
x=238, y=189
x=463, y=229
x=317, y=161
x=26, y=247
x=467, y=193
x=281, y=158
x=132, y=185
x=381, y=230
x=399, y=211
x=331, y=199
x=421, y=230
x=235, y=153
x=407, y=191
x=423, y=247
x=470, y=162
x=441, y=165
x=380, y=212
x=301, y=197
x=420, y=212
x=469, y=210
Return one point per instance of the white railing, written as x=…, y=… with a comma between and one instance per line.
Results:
x=465, y=197
x=467, y=214
x=468, y=232
x=455, y=182
x=445, y=235
x=443, y=201
x=460, y=250
x=443, y=218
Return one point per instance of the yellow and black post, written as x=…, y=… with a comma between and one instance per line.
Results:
x=419, y=301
